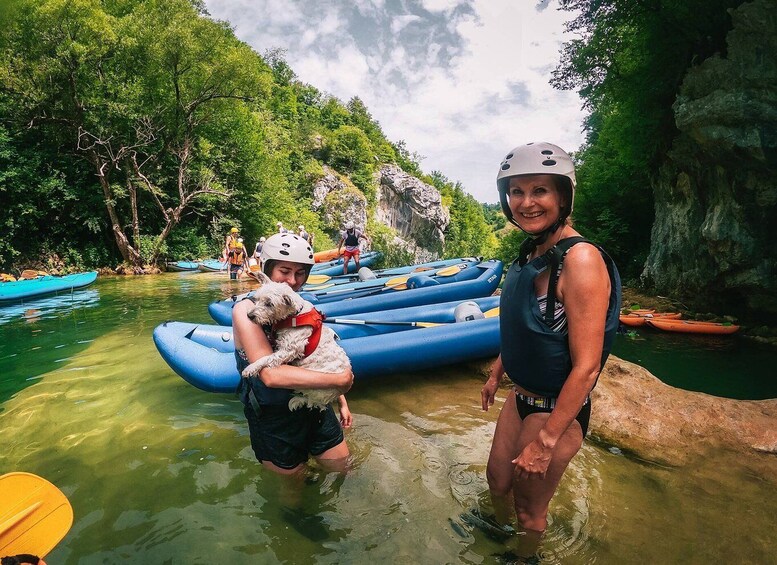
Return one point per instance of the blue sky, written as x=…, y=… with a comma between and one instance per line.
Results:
x=462, y=82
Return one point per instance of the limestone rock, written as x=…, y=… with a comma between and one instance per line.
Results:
x=414, y=209
x=657, y=422
x=341, y=201
x=716, y=195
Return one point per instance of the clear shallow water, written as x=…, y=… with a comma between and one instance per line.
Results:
x=159, y=472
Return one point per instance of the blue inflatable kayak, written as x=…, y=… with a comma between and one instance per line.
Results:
x=182, y=266
x=335, y=266
x=23, y=289
x=212, y=265
x=204, y=354
x=478, y=281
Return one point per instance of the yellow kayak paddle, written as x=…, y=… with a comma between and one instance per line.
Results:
x=34, y=515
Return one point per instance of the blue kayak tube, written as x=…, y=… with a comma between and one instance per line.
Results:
x=40, y=286
x=182, y=266
x=203, y=355
x=335, y=266
x=478, y=281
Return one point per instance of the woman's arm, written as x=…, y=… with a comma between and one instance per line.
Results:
x=250, y=337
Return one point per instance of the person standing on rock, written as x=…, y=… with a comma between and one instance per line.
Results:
x=350, y=237
x=558, y=318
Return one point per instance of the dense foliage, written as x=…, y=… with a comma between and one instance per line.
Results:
x=628, y=64
x=140, y=130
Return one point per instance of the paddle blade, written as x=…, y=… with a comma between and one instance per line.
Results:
x=448, y=271
x=493, y=313
x=34, y=515
x=318, y=279
x=397, y=283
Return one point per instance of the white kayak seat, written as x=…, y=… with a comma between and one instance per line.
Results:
x=467, y=311
x=366, y=274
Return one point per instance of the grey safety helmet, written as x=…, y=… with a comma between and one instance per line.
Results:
x=285, y=247
x=538, y=159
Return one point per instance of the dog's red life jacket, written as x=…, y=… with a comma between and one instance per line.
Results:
x=314, y=318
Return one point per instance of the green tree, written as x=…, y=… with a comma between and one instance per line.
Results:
x=133, y=88
x=627, y=64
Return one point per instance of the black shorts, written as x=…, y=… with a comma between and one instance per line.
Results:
x=583, y=417
x=287, y=438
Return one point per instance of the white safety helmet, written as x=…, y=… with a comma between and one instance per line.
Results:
x=537, y=159
x=349, y=225
x=285, y=247
x=262, y=239
x=301, y=227
x=240, y=240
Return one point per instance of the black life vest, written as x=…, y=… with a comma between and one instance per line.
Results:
x=534, y=356
x=351, y=238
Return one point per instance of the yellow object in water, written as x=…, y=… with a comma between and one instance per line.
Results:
x=34, y=515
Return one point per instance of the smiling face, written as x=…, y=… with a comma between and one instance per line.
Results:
x=293, y=274
x=535, y=202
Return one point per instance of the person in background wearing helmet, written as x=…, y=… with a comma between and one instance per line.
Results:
x=282, y=439
x=258, y=248
x=305, y=235
x=230, y=241
x=237, y=258
x=280, y=227
x=350, y=237
x=553, y=342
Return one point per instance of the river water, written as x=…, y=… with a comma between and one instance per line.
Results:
x=160, y=472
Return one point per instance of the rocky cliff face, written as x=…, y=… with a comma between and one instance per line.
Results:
x=412, y=208
x=716, y=196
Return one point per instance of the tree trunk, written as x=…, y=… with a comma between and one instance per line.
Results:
x=128, y=253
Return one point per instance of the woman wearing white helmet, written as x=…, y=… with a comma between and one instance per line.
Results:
x=281, y=439
x=558, y=317
x=350, y=238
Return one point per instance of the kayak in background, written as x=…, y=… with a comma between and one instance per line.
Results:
x=182, y=266
x=475, y=282
x=328, y=255
x=211, y=265
x=692, y=326
x=203, y=355
x=42, y=285
x=335, y=266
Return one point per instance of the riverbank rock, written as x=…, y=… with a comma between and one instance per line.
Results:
x=636, y=411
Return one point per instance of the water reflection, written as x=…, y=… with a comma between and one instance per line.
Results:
x=49, y=307
x=158, y=471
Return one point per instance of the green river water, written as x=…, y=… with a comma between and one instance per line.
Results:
x=160, y=472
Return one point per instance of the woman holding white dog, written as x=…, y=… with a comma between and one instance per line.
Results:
x=282, y=439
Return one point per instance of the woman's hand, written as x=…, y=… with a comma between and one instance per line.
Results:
x=346, y=419
x=488, y=392
x=533, y=461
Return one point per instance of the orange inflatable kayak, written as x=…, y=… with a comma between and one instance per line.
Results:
x=324, y=256
x=635, y=320
x=632, y=320
x=691, y=326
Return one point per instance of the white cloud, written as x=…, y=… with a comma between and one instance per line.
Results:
x=461, y=85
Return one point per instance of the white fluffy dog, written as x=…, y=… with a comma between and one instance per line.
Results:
x=275, y=302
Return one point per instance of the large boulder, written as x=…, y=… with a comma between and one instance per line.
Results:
x=339, y=201
x=414, y=210
x=716, y=195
